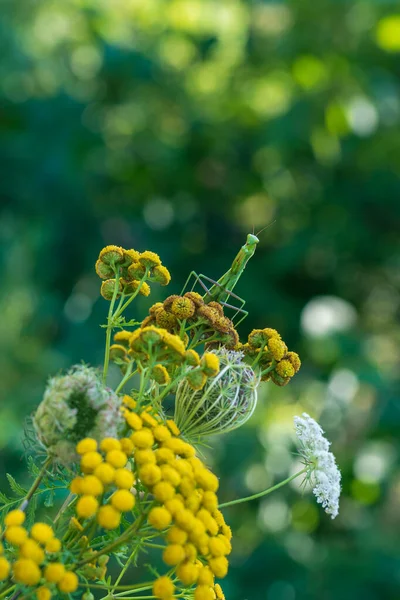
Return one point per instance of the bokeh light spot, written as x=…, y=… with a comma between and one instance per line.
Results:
x=158, y=213
x=325, y=315
x=274, y=515
x=388, y=33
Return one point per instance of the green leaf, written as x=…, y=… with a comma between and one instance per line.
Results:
x=16, y=488
x=30, y=511
x=49, y=499
x=4, y=499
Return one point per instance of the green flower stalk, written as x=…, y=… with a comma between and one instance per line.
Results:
x=225, y=402
x=76, y=405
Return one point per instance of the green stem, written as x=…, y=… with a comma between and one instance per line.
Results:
x=8, y=591
x=35, y=484
x=150, y=545
x=126, y=377
x=269, y=369
x=127, y=303
x=142, y=587
x=264, y=492
x=123, y=570
x=121, y=540
x=67, y=502
x=127, y=588
x=110, y=326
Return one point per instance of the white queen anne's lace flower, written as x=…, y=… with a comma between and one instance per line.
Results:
x=322, y=471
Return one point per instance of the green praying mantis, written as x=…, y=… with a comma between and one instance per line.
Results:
x=221, y=290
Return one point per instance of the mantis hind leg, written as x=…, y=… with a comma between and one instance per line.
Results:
x=201, y=280
x=197, y=279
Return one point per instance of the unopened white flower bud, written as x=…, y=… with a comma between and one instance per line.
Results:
x=224, y=403
x=74, y=406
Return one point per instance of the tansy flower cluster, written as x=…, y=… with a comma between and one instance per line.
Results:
x=35, y=558
x=191, y=309
x=180, y=502
x=185, y=508
x=127, y=271
x=104, y=489
x=266, y=349
x=162, y=351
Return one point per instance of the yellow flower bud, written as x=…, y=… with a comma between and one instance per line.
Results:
x=163, y=588
x=86, y=445
x=14, y=517
x=159, y=517
x=87, y=507
x=123, y=500
x=26, y=571
x=108, y=517
x=42, y=532
x=68, y=583
x=54, y=572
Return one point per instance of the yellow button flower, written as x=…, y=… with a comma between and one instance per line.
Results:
x=16, y=535
x=173, y=427
x=86, y=445
x=110, y=444
x=90, y=461
x=42, y=532
x=87, y=506
x=54, y=572
x=91, y=485
x=14, y=517
x=174, y=506
x=124, y=479
x=127, y=446
x=116, y=458
x=163, y=491
x=144, y=456
x=53, y=545
x=161, y=433
x=173, y=555
x=149, y=259
x=185, y=519
x=219, y=566
x=68, y=583
x=31, y=549
x=148, y=419
x=163, y=588
x=75, y=485
x=206, y=480
x=176, y=535
x=4, y=568
x=217, y=547
x=188, y=573
x=164, y=455
x=105, y=473
x=43, y=593
x=133, y=420
x=123, y=500
x=170, y=475
x=203, y=592
x=108, y=517
x=210, y=364
x=150, y=474
x=142, y=439
x=159, y=517
x=210, y=501
x=26, y=571
x=206, y=576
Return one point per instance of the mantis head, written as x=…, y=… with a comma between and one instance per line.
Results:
x=252, y=239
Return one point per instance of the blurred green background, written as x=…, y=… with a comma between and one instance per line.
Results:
x=178, y=126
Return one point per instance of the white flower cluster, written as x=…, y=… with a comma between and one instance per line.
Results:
x=322, y=471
